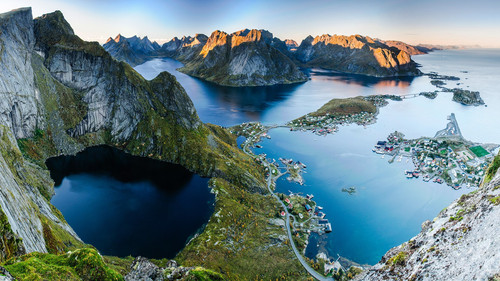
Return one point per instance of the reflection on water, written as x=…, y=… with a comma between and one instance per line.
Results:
x=360, y=80
x=388, y=209
x=227, y=106
x=126, y=205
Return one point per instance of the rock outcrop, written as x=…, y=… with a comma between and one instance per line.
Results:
x=355, y=54
x=19, y=102
x=461, y=243
x=243, y=58
x=291, y=45
x=402, y=46
x=183, y=49
x=133, y=50
x=143, y=269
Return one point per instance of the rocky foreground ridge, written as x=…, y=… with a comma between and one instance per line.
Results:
x=461, y=243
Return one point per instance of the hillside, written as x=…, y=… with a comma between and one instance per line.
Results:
x=355, y=54
x=410, y=49
x=63, y=94
x=461, y=243
x=243, y=58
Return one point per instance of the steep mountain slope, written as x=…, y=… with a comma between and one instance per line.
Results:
x=412, y=50
x=291, y=45
x=28, y=219
x=243, y=58
x=461, y=243
x=185, y=48
x=355, y=54
x=133, y=50
x=71, y=94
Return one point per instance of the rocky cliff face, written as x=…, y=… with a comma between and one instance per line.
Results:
x=29, y=219
x=402, y=46
x=243, y=58
x=19, y=101
x=355, y=54
x=133, y=50
x=461, y=243
x=291, y=45
x=185, y=48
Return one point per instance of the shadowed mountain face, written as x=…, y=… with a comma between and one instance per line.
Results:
x=410, y=49
x=243, y=58
x=133, y=50
x=355, y=54
x=256, y=58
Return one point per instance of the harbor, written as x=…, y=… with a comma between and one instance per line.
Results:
x=445, y=158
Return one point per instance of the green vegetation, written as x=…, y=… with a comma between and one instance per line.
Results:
x=10, y=245
x=346, y=106
x=202, y=274
x=495, y=200
x=234, y=239
x=239, y=241
x=82, y=264
x=479, y=151
x=57, y=239
x=458, y=216
x=120, y=265
x=492, y=170
x=37, y=148
x=398, y=259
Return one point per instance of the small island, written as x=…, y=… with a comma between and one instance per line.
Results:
x=337, y=112
x=467, y=97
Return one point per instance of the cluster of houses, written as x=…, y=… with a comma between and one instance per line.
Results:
x=456, y=163
x=328, y=123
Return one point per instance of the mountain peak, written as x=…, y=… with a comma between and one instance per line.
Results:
x=118, y=38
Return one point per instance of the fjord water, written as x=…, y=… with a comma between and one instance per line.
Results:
x=387, y=209
x=125, y=205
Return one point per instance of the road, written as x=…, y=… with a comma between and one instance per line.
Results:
x=270, y=180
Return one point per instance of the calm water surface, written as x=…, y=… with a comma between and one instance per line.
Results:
x=126, y=205
x=388, y=209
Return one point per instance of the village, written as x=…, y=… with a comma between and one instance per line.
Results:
x=329, y=123
x=306, y=215
x=446, y=158
x=360, y=110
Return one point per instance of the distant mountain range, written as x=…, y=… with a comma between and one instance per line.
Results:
x=355, y=54
x=132, y=50
x=257, y=58
x=243, y=58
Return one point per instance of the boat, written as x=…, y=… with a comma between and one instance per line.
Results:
x=319, y=208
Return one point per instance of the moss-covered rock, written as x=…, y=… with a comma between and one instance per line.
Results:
x=82, y=264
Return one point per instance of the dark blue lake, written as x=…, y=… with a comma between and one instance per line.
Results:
x=388, y=209
x=125, y=205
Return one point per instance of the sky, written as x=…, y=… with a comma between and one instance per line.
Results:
x=458, y=22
